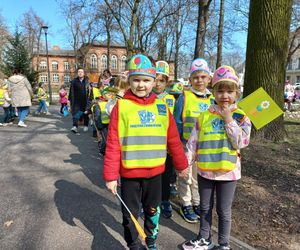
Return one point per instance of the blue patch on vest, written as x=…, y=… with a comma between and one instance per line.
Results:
x=162, y=109
x=203, y=106
x=169, y=102
x=217, y=124
x=146, y=116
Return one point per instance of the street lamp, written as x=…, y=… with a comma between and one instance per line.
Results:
x=45, y=29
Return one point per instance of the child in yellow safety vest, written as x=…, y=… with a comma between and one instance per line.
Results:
x=101, y=119
x=140, y=132
x=188, y=107
x=42, y=98
x=161, y=82
x=214, y=144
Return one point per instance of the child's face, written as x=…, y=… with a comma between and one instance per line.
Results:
x=141, y=85
x=160, y=84
x=199, y=80
x=225, y=96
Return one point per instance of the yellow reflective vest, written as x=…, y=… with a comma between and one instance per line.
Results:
x=170, y=101
x=41, y=94
x=192, y=108
x=142, y=133
x=215, y=151
x=96, y=93
x=104, y=116
x=2, y=99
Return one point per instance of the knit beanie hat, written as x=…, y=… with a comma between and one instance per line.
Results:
x=199, y=64
x=225, y=73
x=141, y=65
x=162, y=67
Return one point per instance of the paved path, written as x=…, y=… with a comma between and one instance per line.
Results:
x=52, y=190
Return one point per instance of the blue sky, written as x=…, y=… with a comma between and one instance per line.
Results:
x=48, y=10
x=12, y=11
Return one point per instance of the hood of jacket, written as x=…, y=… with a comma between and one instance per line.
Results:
x=15, y=79
x=141, y=100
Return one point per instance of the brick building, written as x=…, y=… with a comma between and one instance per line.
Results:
x=63, y=67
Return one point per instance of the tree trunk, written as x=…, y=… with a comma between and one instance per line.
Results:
x=108, y=47
x=203, y=7
x=177, y=36
x=220, y=35
x=267, y=48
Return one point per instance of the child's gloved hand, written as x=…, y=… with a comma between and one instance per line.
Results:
x=112, y=186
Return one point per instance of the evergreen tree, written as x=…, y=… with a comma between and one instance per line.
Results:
x=16, y=56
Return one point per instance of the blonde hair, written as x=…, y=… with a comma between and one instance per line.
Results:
x=122, y=82
x=227, y=84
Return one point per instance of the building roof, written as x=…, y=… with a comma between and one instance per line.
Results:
x=60, y=52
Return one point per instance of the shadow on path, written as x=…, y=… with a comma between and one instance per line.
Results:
x=75, y=202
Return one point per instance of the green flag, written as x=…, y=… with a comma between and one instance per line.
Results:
x=260, y=108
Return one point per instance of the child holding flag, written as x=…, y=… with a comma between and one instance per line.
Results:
x=140, y=132
x=215, y=142
x=188, y=107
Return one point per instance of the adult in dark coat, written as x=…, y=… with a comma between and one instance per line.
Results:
x=78, y=96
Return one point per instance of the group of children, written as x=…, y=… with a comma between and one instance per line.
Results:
x=144, y=143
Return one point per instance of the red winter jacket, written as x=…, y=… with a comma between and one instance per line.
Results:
x=113, y=167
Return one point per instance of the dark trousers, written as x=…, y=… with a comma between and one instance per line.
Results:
x=136, y=191
x=102, y=144
x=79, y=116
x=8, y=114
x=225, y=194
x=167, y=178
x=62, y=105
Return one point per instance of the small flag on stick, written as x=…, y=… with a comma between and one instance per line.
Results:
x=260, y=108
x=136, y=223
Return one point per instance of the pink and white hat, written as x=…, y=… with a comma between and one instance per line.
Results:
x=225, y=73
x=199, y=64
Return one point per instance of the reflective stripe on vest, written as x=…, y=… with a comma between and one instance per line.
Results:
x=2, y=97
x=142, y=133
x=170, y=101
x=104, y=115
x=192, y=108
x=96, y=92
x=215, y=151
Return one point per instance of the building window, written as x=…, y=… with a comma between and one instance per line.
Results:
x=103, y=62
x=93, y=64
x=298, y=79
x=54, y=65
x=43, y=65
x=123, y=63
x=55, y=78
x=43, y=78
x=298, y=63
x=114, y=62
x=66, y=79
x=66, y=66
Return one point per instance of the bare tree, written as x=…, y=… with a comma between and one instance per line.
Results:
x=294, y=45
x=31, y=25
x=203, y=8
x=220, y=34
x=84, y=26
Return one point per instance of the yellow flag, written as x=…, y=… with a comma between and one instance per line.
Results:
x=260, y=108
